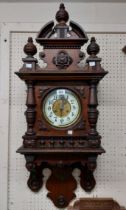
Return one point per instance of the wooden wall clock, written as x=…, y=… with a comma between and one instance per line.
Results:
x=61, y=110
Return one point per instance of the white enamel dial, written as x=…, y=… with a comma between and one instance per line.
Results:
x=61, y=108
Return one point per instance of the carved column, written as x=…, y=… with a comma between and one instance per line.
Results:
x=29, y=137
x=93, y=112
x=93, y=65
x=94, y=138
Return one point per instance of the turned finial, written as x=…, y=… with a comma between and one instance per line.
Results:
x=30, y=49
x=93, y=48
x=62, y=15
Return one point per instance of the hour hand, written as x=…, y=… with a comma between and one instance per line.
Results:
x=61, y=107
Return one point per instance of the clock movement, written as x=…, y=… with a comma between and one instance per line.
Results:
x=61, y=109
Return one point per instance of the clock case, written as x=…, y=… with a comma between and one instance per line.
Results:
x=77, y=146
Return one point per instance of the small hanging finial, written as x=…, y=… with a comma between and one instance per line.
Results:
x=93, y=48
x=62, y=15
x=30, y=49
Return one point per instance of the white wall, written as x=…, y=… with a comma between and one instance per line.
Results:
x=102, y=17
x=91, y=13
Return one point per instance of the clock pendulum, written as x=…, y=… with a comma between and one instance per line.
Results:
x=61, y=110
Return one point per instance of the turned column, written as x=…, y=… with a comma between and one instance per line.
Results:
x=30, y=135
x=93, y=66
x=30, y=65
x=30, y=112
x=92, y=111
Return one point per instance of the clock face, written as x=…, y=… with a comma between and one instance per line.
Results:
x=61, y=108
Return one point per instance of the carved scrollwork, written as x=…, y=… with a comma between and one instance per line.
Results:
x=62, y=60
x=81, y=91
x=61, y=176
x=81, y=125
x=41, y=91
x=35, y=179
x=41, y=126
x=92, y=164
x=87, y=180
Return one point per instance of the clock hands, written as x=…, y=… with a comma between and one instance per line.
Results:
x=61, y=107
x=63, y=102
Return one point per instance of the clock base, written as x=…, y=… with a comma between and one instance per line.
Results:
x=61, y=184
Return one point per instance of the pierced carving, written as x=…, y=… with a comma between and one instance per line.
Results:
x=61, y=177
x=62, y=60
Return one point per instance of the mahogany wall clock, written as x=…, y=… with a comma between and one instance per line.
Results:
x=61, y=110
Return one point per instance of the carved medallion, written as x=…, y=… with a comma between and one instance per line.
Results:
x=62, y=60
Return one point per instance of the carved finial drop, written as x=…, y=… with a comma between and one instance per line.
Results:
x=62, y=15
x=93, y=48
x=30, y=49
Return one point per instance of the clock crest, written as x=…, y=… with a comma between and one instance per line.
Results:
x=61, y=110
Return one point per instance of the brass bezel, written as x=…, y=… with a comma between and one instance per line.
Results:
x=70, y=124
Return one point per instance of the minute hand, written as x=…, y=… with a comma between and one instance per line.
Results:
x=62, y=106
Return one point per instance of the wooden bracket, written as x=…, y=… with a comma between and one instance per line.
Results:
x=61, y=184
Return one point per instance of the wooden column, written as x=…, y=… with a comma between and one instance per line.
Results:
x=29, y=137
x=94, y=137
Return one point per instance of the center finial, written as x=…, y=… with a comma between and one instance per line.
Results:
x=62, y=15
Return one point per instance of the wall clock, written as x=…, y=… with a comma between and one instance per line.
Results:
x=61, y=110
